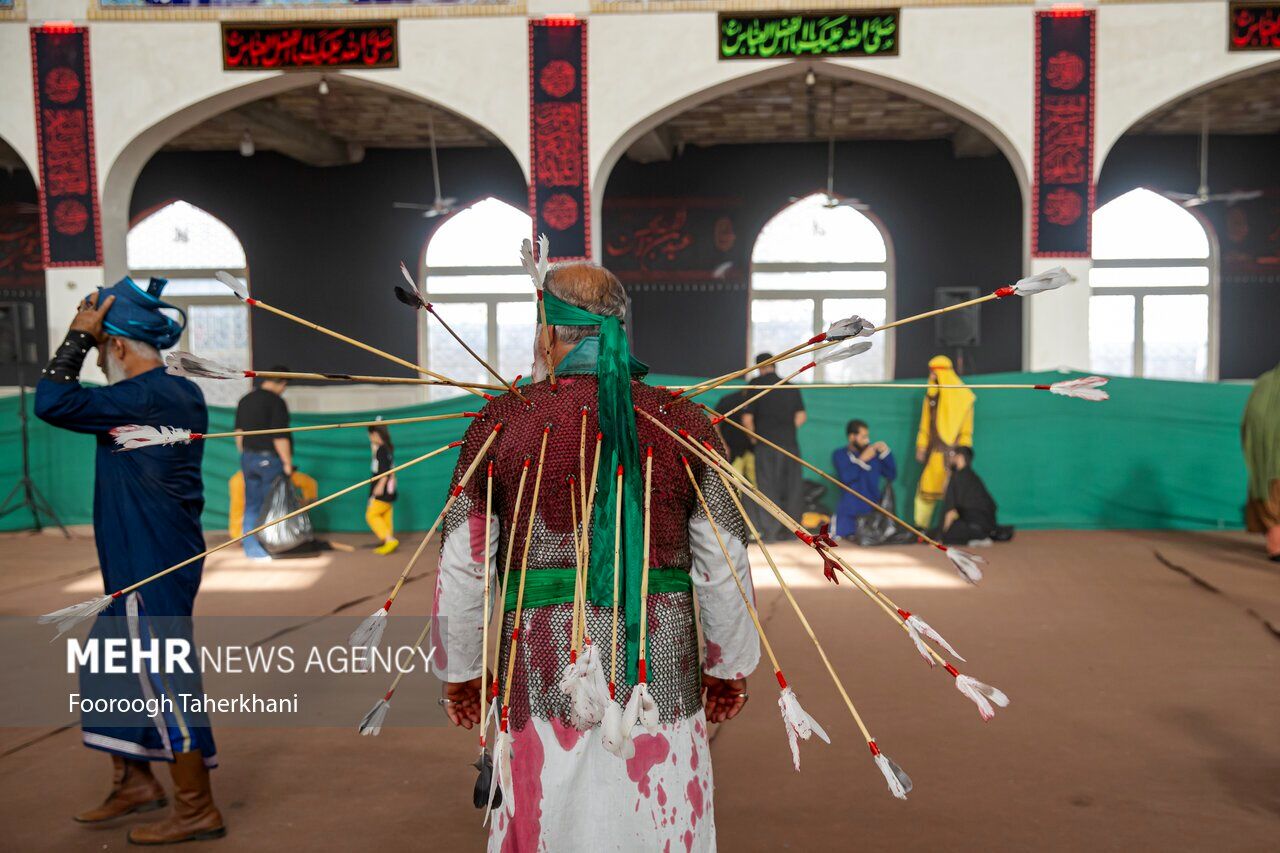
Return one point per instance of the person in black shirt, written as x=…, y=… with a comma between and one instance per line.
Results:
x=969, y=511
x=736, y=442
x=776, y=416
x=382, y=493
x=263, y=458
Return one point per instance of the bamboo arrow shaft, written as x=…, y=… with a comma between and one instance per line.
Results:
x=766, y=389
x=745, y=486
x=617, y=553
x=279, y=312
x=644, y=565
x=808, y=347
x=815, y=469
x=356, y=377
x=812, y=385
x=795, y=606
x=742, y=590
x=488, y=575
x=395, y=682
x=128, y=589
x=505, y=384
x=388, y=422
x=524, y=571
x=935, y=312
x=448, y=505
x=506, y=568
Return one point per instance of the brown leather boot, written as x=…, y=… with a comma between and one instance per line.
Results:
x=195, y=817
x=133, y=789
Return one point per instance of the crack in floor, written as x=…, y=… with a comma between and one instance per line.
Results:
x=1207, y=586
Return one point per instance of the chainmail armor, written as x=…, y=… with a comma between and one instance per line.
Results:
x=543, y=650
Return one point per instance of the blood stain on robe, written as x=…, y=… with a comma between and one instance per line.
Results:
x=475, y=526
x=694, y=793
x=526, y=818
x=567, y=736
x=651, y=750
x=714, y=654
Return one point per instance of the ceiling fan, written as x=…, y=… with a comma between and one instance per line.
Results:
x=1202, y=194
x=442, y=205
x=832, y=200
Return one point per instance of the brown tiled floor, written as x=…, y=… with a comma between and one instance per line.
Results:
x=1143, y=711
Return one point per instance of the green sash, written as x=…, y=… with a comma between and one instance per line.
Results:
x=619, y=445
x=555, y=586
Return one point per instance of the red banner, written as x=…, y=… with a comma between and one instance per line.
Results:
x=1062, y=194
x=306, y=47
x=69, y=215
x=559, y=184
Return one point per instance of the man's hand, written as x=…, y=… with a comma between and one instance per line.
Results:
x=920, y=454
x=868, y=453
x=89, y=317
x=949, y=519
x=462, y=702
x=726, y=697
x=881, y=448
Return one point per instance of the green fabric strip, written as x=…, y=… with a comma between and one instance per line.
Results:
x=543, y=587
x=619, y=449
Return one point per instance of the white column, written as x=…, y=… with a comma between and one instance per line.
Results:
x=64, y=288
x=1057, y=324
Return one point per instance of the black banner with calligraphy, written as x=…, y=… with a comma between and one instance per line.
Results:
x=672, y=242
x=1062, y=196
x=69, y=214
x=1253, y=26
x=808, y=34
x=559, y=198
x=306, y=47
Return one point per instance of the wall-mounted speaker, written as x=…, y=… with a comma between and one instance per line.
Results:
x=961, y=328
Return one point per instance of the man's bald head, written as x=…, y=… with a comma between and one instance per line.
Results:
x=588, y=286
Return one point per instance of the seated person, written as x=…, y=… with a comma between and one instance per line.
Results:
x=861, y=465
x=969, y=511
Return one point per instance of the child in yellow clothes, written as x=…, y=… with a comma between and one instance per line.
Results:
x=382, y=493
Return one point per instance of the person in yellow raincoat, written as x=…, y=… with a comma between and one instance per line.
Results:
x=946, y=422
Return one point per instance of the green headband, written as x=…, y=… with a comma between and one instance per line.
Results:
x=619, y=446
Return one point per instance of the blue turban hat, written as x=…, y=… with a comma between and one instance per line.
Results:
x=137, y=314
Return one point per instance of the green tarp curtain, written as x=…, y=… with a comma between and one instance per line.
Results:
x=1157, y=455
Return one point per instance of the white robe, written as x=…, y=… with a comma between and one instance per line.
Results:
x=570, y=793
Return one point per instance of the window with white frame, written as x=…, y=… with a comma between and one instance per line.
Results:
x=187, y=245
x=472, y=275
x=812, y=264
x=1153, y=301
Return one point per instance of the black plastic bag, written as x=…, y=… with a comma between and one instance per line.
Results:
x=287, y=536
x=876, y=528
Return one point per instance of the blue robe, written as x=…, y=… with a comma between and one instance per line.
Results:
x=863, y=477
x=146, y=517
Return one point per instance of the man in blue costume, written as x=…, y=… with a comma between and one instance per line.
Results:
x=146, y=517
x=863, y=466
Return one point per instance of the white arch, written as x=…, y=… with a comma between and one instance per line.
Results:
x=728, y=77
x=136, y=90
x=1146, y=247
x=158, y=239
x=1144, y=224
x=1148, y=59
x=860, y=238
x=123, y=173
x=18, y=119
x=993, y=98
x=484, y=233
x=849, y=261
